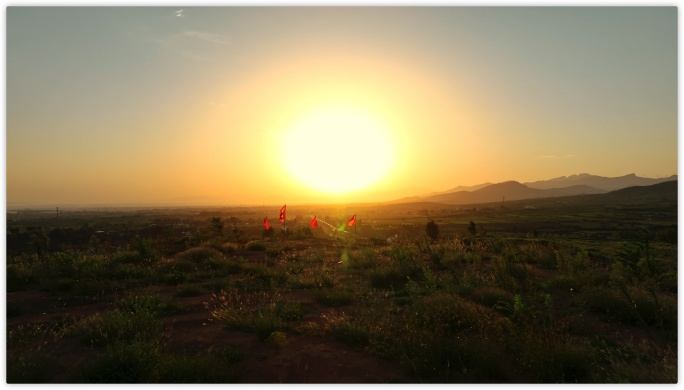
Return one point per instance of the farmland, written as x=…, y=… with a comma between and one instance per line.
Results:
x=579, y=289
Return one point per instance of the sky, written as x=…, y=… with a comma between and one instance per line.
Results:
x=270, y=105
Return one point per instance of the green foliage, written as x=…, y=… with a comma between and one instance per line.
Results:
x=189, y=291
x=146, y=249
x=432, y=230
x=20, y=273
x=121, y=363
x=199, y=255
x=403, y=266
x=255, y=246
x=217, y=226
x=334, y=297
x=472, y=228
x=639, y=363
x=29, y=355
x=505, y=308
x=276, y=339
x=148, y=362
x=261, y=313
x=225, y=248
x=116, y=326
x=148, y=304
x=490, y=296
x=367, y=258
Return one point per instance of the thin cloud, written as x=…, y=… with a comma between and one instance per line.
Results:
x=192, y=43
x=194, y=36
x=207, y=37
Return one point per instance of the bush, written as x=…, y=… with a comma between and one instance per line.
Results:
x=334, y=297
x=116, y=326
x=259, y=312
x=189, y=291
x=608, y=304
x=225, y=248
x=121, y=363
x=490, y=296
x=147, y=304
x=366, y=259
x=18, y=276
x=199, y=255
x=255, y=246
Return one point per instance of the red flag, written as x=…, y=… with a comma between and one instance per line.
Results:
x=282, y=213
x=352, y=221
x=266, y=225
x=314, y=222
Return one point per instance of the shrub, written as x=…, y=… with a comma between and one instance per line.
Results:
x=121, y=363
x=351, y=331
x=199, y=255
x=189, y=291
x=19, y=274
x=447, y=314
x=608, y=304
x=334, y=297
x=225, y=248
x=116, y=326
x=156, y=306
x=255, y=246
x=127, y=257
x=261, y=313
x=366, y=259
x=490, y=296
x=387, y=278
x=193, y=369
x=276, y=339
x=30, y=358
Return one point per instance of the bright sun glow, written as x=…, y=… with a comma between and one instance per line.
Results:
x=338, y=150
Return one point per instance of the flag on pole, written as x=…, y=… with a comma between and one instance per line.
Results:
x=352, y=221
x=314, y=222
x=282, y=213
x=266, y=225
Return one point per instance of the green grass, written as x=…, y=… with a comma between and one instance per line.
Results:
x=261, y=313
x=334, y=297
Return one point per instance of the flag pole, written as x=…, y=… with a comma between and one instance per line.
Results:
x=356, y=221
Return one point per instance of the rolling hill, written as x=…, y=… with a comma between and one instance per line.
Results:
x=558, y=187
x=598, y=182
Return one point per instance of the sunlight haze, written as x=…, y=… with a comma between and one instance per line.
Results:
x=273, y=105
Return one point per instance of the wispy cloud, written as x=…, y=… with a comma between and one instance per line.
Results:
x=193, y=43
x=194, y=36
x=206, y=36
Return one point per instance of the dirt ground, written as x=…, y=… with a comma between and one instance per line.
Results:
x=304, y=359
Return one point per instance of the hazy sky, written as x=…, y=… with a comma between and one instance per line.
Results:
x=157, y=105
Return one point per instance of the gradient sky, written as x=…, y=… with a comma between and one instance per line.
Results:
x=154, y=106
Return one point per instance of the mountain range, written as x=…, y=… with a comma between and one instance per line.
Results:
x=582, y=184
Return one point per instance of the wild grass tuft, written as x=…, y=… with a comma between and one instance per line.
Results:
x=262, y=313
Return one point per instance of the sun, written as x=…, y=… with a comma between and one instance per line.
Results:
x=337, y=149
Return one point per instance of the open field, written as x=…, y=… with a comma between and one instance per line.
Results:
x=560, y=290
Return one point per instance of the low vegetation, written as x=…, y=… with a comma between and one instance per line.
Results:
x=444, y=302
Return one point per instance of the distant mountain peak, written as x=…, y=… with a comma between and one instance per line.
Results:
x=599, y=182
x=582, y=183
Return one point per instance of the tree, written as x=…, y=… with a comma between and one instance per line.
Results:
x=432, y=230
x=217, y=226
x=472, y=228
